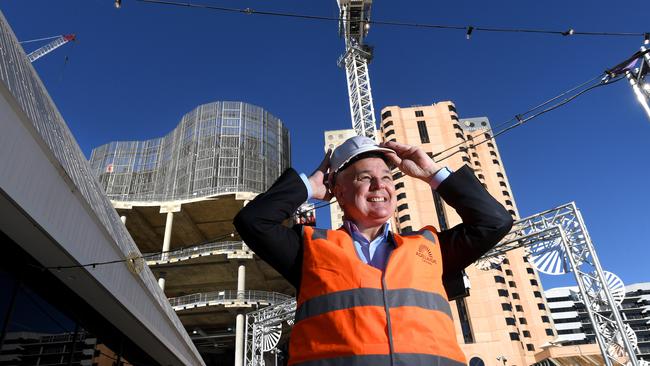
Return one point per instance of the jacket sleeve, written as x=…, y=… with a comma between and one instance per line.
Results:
x=485, y=222
x=260, y=225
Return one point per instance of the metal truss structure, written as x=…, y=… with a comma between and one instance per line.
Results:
x=556, y=242
x=353, y=26
x=42, y=51
x=263, y=330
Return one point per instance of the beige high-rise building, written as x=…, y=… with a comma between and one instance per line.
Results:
x=506, y=320
x=333, y=139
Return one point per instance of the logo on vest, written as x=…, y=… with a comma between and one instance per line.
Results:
x=425, y=254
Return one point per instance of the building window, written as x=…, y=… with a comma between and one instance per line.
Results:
x=475, y=155
x=451, y=108
x=403, y=206
x=530, y=347
x=487, y=135
x=508, y=272
x=404, y=218
x=514, y=336
x=397, y=175
x=533, y=282
x=510, y=321
x=391, y=132
x=499, y=279
x=505, y=261
x=503, y=184
x=506, y=306
x=526, y=333
x=481, y=176
x=522, y=321
x=386, y=115
x=519, y=308
x=399, y=185
x=477, y=163
x=454, y=117
x=545, y=319
x=424, y=134
x=459, y=135
x=499, y=175
x=457, y=126
x=493, y=153
x=508, y=202
x=490, y=145
x=495, y=161
x=392, y=139
x=512, y=284
x=465, y=159
x=503, y=292
x=401, y=196
x=530, y=270
x=419, y=114
x=541, y=306
x=465, y=325
x=440, y=211
x=388, y=124
x=512, y=213
x=470, y=137
x=515, y=296
x=549, y=331
x=505, y=193
x=407, y=229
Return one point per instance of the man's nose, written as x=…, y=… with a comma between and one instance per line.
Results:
x=377, y=183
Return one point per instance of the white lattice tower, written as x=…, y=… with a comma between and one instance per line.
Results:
x=353, y=26
x=558, y=242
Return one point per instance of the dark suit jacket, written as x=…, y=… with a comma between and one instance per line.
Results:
x=485, y=222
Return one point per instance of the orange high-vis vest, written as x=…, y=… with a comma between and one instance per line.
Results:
x=350, y=313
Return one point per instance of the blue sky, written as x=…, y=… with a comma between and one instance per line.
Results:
x=135, y=71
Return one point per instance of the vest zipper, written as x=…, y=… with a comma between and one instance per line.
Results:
x=387, y=309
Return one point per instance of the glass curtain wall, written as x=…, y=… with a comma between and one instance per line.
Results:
x=219, y=147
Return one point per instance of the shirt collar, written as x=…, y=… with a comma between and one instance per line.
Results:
x=353, y=230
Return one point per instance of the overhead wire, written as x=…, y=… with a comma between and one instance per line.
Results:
x=521, y=119
x=467, y=28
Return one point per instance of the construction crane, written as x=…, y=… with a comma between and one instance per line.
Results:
x=354, y=24
x=58, y=42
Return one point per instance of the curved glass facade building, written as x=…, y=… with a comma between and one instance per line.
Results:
x=219, y=147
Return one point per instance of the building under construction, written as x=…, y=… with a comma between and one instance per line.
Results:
x=178, y=194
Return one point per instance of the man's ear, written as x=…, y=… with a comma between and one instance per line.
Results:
x=336, y=192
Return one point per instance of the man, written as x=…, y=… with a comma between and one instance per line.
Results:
x=368, y=295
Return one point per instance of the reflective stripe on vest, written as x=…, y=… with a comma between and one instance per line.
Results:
x=401, y=359
x=372, y=297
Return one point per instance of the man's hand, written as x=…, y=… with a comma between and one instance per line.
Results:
x=319, y=180
x=412, y=161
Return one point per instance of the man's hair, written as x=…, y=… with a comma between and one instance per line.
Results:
x=365, y=155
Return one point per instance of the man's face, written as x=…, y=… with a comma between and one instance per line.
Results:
x=366, y=193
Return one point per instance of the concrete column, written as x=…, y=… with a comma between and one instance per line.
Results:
x=241, y=281
x=239, y=340
x=168, y=234
x=123, y=218
x=161, y=280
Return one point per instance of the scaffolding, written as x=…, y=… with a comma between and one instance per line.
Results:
x=219, y=147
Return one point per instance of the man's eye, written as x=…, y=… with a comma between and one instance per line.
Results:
x=365, y=178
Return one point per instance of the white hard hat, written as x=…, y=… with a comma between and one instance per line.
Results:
x=352, y=147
